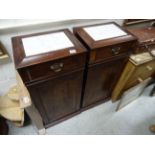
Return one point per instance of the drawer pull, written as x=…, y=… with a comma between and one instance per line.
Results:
x=116, y=50
x=57, y=67
x=149, y=68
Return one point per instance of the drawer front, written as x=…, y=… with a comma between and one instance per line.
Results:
x=110, y=52
x=57, y=67
x=142, y=72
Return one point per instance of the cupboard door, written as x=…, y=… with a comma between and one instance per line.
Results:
x=101, y=79
x=59, y=97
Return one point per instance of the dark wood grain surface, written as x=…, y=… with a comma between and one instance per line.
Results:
x=44, y=70
x=54, y=79
x=101, y=80
x=145, y=37
x=22, y=61
x=105, y=62
x=63, y=84
x=79, y=31
x=59, y=97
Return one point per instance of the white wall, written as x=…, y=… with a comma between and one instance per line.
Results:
x=10, y=28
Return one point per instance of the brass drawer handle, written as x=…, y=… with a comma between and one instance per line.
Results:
x=57, y=67
x=149, y=68
x=116, y=50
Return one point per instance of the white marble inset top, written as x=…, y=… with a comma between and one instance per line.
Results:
x=46, y=43
x=102, y=32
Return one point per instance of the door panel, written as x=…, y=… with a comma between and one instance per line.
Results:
x=101, y=80
x=58, y=97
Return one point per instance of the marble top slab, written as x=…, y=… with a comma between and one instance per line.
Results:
x=46, y=43
x=103, y=32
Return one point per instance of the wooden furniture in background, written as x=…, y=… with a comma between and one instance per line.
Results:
x=108, y=46
x=146, y=39
x=129, y=22
x=133, y=73
x=51, y=66
x=3, y=52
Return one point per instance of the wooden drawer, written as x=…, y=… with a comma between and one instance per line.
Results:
x=145, y=48
x=143, y=72
x=58, y=67
x=110, y=52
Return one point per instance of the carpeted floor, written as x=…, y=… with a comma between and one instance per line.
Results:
x=134, y=119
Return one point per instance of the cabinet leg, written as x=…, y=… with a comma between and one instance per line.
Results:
x=36, y=119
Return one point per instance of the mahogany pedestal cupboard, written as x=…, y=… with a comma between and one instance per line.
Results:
x=51, y=65
x=109, y=47
x=65, y=77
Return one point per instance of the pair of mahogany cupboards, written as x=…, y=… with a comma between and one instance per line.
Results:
x=66, y=73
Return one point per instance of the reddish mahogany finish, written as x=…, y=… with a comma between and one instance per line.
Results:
x=54, y=79
x=105, y=61
x=146, y=38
